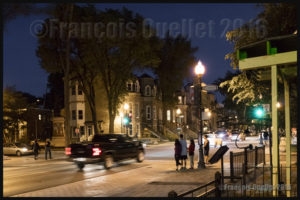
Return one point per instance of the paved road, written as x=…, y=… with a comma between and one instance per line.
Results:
x=57, y=177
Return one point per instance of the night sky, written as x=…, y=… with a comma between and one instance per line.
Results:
x=21, y=67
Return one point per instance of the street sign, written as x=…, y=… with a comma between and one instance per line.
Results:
x=266, y=107
x=210, y=88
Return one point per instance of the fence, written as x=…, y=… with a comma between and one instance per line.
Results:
x=249, y=158
x=256, y=183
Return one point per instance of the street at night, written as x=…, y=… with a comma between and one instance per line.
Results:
x=150, y=100
x=26, y=177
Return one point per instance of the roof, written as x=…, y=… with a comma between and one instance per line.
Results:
x=272, y=45
x=145, y=76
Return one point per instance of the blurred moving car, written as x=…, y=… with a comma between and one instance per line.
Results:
x=235, y=135
x=17, y=149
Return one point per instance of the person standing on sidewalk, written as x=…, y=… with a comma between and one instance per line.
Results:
x=191, y=153
x=183, y=152
x=206, y=149
x=47, y=149
x=36, y=148
x=177, y=153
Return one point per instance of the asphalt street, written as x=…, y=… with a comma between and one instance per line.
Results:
x=24, y=176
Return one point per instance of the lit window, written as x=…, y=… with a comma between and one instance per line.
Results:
x=180, y=99
x=148, y=112
x=168, y=115
x=80, y=114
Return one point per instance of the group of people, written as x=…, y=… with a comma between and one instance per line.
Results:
x=181, y=151
x=36, y=147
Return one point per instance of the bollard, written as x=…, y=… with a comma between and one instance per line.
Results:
x=218, y=184
x=172, y=194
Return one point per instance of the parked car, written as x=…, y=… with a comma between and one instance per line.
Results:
x=17, y=149
x=105, y=149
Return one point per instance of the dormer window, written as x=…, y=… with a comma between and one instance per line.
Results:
x=129, y=86
x=147, y=90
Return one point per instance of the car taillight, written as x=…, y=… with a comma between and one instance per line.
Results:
x=96, y=151
x=68, y=150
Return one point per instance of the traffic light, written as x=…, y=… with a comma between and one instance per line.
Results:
x=126, y=120
x=259, y=112
x=130, y=117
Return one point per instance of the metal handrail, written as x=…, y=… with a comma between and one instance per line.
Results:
x=195, y=189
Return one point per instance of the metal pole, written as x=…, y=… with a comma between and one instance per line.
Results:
x=287, y=136
x=201, y=163
x=275, y=129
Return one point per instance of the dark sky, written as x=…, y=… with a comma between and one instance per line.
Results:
x=21, y=67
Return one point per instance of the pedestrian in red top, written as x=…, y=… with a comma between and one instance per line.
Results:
x=191, y=153
x=177, y=153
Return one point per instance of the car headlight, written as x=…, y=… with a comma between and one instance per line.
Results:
x=24, y=149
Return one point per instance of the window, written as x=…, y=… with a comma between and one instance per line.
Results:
x=79, y=90
x=148, y=112
x=168, y=115
x=89, y=130
x=73, y=114
x=73, y=131
x=147, y=90
x=154, y=112
x=137, y=129
x=81, y=129
x=134, y=87
x=80, y=114
x=73, y=90
x=179, y=99
x=129, y=86
x=136, y=110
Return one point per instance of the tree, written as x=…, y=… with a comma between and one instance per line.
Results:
x=14, y=103
x=276, y=19
x=55, y=97
x=176, y=57
x=54, y=52
x=116, y=56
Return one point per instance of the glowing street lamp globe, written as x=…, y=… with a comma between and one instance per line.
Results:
x=178, y=111
x=126, y=106
x=199, y=69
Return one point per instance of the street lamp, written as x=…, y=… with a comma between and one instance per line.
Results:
x=125, y=120
x=121, y=116
x=199, y=71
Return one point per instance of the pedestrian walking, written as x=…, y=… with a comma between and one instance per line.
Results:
x=36, y=148
x=266, y=134
x=206, y=149
x=48, y=149
x=191, y=153
x=177, y=153
x=183, y=152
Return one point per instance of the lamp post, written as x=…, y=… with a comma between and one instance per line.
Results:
x=199, y=71
x=126, y=107
x=121, y=116
x=178, y=112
